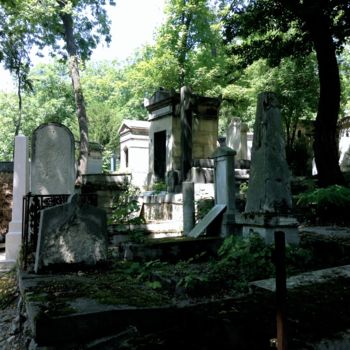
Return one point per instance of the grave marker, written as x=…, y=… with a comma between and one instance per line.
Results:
x=20, y=188
x=71, y=233
x=269, y=199
x=53, y=161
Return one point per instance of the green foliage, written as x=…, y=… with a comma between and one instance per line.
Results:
x=159, y=186
x=243, y=188
x=126, y=206
x=293, y=80
x=326, y=205
x=249, y=257
x=203, y=206
x=8, y=289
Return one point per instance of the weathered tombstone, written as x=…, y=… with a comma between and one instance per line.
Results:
x=53, y=161
x=225, y=187
x=20, y=188
x=221, y=218
x=233, y=138
x=244, y=142
x=71, y=233
x=269, y=200
x=188, y=206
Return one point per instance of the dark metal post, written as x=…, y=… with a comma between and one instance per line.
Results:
x=281, y=290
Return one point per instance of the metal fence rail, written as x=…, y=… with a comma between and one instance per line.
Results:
x=32, y=207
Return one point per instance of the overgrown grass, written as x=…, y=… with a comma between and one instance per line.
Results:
x=154, y=283
x=8, y=289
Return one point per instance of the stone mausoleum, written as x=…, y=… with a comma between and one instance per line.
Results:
x=134, y=140
x=165, y=149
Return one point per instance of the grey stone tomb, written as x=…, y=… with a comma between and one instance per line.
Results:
x=269, y=199
x=233, y=138
x=221, y=218
x=71, y=233
x=53, y=161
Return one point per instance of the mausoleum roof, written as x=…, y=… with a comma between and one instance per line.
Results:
x=133, y=124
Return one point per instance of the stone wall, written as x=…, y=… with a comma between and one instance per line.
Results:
x=6, y=180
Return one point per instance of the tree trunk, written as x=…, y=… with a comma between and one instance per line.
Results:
x=325, y=139
x=78, y=95
x=186, y=20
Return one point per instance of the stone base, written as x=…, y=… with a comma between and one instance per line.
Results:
x=266, y=225
x=13, y=245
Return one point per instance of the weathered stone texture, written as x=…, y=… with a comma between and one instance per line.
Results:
x=53, y=160
x=71, y=234
x=269, y=184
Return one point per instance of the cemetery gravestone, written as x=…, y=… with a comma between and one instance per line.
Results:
x=71, y=233
x=269, y=199
x=269, y=183
x=53, y=160
x=233, y=138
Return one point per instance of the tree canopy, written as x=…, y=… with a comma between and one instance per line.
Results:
x=233, y=49
x=276, y=29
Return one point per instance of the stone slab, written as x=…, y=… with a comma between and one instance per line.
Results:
x=90, y=319
x=305, y=278
x=71, y=233
x=200, y=228
x=267, y=233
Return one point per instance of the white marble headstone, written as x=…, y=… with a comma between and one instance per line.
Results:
x=53, y=160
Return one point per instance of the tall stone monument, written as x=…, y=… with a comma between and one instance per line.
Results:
x=53, y=160
x=269, y=199
x=20, y=188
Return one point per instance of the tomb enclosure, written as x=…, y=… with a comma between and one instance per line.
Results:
x=240, y=139
x=167, y=138
x=134, y=150
x=344, y=144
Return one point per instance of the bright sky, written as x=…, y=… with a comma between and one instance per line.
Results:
x=133, y=24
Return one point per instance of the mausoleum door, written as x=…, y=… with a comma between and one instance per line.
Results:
x=160, y=154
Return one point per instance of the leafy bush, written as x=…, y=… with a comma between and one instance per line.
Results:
x=159, y=186
x=203, y=207
x=8, y=289
x=250, y=257
x=325, y=205
x=126, y=207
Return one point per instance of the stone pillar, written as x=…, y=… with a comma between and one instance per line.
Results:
x=188, y=206
x=244, y=142
x=269, y=198
x=225, y=186
x=20, y=188
x=233, y=135
x=186, y=131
